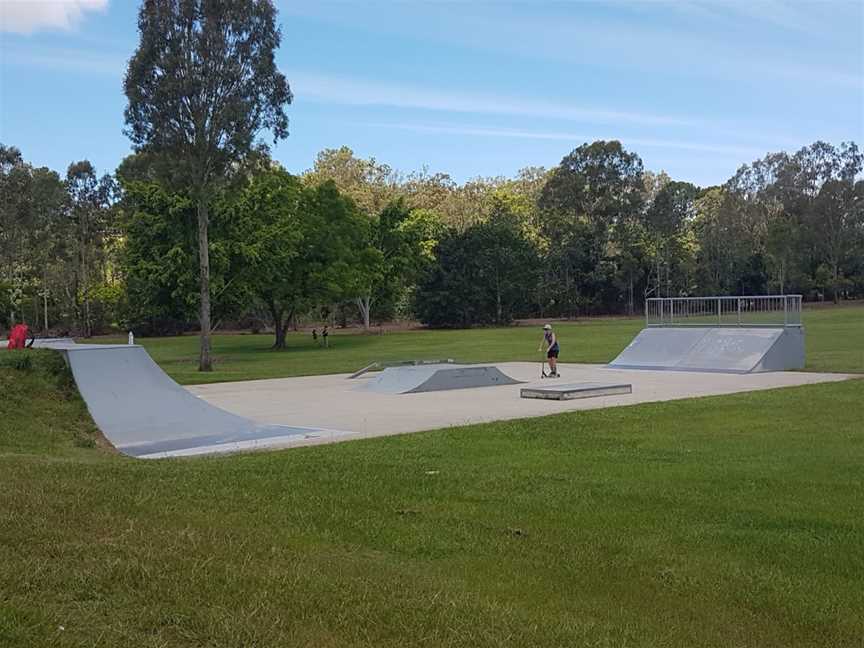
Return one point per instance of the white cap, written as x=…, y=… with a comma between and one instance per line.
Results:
x=547, y=327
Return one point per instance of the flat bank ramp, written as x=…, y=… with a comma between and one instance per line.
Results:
x=145, y=414
x=436, y=377
x=728, y=350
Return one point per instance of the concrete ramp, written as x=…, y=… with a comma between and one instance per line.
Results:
x=145, y=414
x=732, y=350
x=728, y=350
x=436, y=377
x=656, y=348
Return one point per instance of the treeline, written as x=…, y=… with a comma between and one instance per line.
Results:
x=354, y=240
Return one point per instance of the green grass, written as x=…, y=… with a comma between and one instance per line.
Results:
x=724, y=521
x=835, y=342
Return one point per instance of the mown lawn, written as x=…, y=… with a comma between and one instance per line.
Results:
x=724, y=521
x=835, y=342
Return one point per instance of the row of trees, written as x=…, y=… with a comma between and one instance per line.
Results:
x=279, y=249
x=595, y=234
x=57, y=243
x=604, y=233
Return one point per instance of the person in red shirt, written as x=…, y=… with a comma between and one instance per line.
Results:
x=18, y=336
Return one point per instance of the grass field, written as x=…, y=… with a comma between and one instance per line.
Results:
x=723, y=521
x=835, y=342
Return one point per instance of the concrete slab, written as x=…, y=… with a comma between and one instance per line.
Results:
x=573, y=391
x=332, y=402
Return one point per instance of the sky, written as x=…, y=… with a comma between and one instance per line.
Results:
x=477, y=88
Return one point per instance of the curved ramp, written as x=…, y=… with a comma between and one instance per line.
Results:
x=436, y=377
x=727, y=350
x=145, y=414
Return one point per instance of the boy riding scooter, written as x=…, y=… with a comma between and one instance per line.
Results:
x=552, y=350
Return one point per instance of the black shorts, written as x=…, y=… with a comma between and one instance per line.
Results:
x=553, y=352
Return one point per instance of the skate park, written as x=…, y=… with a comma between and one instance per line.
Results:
x=145, y=414
x=335, y=403
x=431, y=324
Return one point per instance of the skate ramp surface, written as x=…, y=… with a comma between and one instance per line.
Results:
x=728, y=350
x=145, y=414
x=436, y=377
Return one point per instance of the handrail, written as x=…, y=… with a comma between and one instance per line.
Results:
x=725, y=310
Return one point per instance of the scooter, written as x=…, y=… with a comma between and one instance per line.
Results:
x=543, y=373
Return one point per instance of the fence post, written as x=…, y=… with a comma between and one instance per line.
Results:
x=785, y=311
x=719, y=312
x=739, y=311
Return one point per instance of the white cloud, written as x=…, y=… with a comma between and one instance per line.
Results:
x=361, y=92
x=28, y=16
x=574, y=138
x=365, y=92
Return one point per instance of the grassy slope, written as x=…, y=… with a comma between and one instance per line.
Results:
x=835, y=342
x=712, y=522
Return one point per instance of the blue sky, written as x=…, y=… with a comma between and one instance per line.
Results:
x=697, y=88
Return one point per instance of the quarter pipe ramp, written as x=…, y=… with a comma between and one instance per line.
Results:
x=728, y=350
x=145, y=414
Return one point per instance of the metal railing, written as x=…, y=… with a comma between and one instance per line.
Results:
x=747, y=310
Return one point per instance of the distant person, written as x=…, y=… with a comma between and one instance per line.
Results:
x=315, y=335
x=18, y=337
x=324, y=334
x=552, y=349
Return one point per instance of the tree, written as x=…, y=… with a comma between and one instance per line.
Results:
x=668, y=222
x=397, y=241
x=596, y=187
x=368, y=183
x=201, y=86
x=158, y=258
x=301, y=246
x=89, y=210
x=839, y=211
x=484, y=275
x=600, y=180
x=33, y=230
x=268, y=220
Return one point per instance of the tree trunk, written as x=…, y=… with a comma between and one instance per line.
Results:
x=204, y=362
x=280, y=324
x=280, y=330
x=364, y=305
x=630, y=295
x=85, y=277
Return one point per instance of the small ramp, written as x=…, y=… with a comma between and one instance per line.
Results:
x=436, y=377
x=573, y=391
x=726, y=350
x=396, y=363
x=145, y=414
